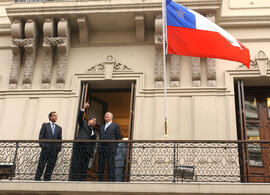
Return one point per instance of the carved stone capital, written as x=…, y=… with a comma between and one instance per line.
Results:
x=211, y=17
x=196, y=71
x=109, y=66
x=158, y=39
x=23, y=42
x=261, y=62
x=55, y=41
x=175, y=69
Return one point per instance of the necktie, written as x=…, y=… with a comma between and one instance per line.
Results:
x=92, y=131
x=53, y=127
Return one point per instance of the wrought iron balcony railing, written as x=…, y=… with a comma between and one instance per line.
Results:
x=131, y=161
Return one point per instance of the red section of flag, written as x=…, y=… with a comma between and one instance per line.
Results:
x=201, y=43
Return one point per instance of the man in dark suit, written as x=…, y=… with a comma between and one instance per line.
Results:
x=82, y=152
x=106, y=151
x=49, y=151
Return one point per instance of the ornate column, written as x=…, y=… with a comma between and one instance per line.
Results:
x=196, y=71
x=158, y=52
x=175, y=69
x=49, y=50
x=211, y=62
x=17, y=52
x=30, y=46
x=63, y=51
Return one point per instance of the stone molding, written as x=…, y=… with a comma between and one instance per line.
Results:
x=158, y=51
x=83, y=29
x=109, y=66
x=175, y=69
x=63, y=30
x=211, y=62
x=49, y=50
x=74, y=9
x=261, y=62
x=17, y=52
x=23, y=45
x=211, y=71
x=241, y=21
x=54, y=41
x=31, y=34
x=196, y=71
x=140, y=27
x=61, y=45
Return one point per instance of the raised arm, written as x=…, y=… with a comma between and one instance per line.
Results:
x=81, y=112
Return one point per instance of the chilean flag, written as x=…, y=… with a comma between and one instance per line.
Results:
x=191, y=34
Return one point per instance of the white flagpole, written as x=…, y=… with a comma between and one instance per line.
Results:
x=164, y=65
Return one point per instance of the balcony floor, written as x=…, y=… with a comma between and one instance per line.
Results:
x=97, y=188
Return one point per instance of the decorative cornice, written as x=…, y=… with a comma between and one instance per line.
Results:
x=261, y=62
x=23, y=42
x=54, y=41
x=117, y=66
x=5, y=28
x=241, y=21
x=73, y=8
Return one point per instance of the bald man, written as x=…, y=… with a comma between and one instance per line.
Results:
x=106, y=151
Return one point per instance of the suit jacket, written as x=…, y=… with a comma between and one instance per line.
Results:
x=46, y=133
x=112, y=132
x=84, y=129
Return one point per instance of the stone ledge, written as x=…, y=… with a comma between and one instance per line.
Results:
x=95, y=6
x=19, y=187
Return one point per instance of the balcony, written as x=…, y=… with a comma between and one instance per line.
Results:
x=167, y=163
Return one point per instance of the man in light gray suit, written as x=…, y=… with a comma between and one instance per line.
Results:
x=107, y=151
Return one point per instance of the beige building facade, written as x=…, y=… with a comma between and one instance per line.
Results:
x=57, y=54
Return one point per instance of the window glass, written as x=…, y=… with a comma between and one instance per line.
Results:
x=251, y=107
x=254, y=150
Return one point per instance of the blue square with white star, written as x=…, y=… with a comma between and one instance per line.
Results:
x=179, y=16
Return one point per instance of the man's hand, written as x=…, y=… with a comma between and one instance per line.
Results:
x=86, y=105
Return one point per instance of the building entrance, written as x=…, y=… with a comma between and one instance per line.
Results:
x=117, y=97
x=254, y=124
